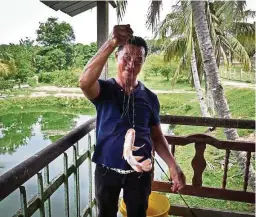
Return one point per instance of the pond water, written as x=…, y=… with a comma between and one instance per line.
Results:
x=24, y=134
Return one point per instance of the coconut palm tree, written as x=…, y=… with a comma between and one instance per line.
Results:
x=177, y=31
x=212, y=75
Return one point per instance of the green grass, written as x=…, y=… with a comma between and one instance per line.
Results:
x=241, y=103
x=159, y=83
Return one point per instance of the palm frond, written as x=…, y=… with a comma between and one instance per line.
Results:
x=225, y=43
x=225, y=59
x=171, y=26
x=174, y=48
x=243, y=28
x=229, y=11
x=210, y=21
x=182, y=63
x=175, y=23
x=6, y=67
x=153, y=15
x=240, y=53
x=249, y=14
x=120, y=9
x=239, y=8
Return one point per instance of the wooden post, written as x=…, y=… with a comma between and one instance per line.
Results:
x=102, y=30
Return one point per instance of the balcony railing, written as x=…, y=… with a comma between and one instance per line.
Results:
x=15, y=178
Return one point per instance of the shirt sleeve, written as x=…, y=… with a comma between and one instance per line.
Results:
x=155, y=116
x=104, y=92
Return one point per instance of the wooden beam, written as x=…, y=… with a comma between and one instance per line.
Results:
x=113, y=4
x=102, y=30
x=216, y=193
x=184, y=211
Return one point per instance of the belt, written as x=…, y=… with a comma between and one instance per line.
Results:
x=119, y=170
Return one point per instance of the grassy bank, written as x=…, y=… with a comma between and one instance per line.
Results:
x=44, y=104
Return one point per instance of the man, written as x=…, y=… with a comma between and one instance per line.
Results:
x=123, y=103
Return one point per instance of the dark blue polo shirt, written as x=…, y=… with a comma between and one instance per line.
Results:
x=111, y=127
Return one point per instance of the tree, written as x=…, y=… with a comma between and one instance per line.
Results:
x=178, y=34
x=54, y=33
x=83, y=53
x=166, y=72
x=22, y=56
x=212, y=74
x=57, y=35
x=27, y=42
x=49, y=59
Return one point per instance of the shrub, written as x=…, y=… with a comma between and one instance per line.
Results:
x=59, y=78
x=166, y=72
x=32, y=81
x=6, y=84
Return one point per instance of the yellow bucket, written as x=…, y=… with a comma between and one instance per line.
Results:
x=158, y=206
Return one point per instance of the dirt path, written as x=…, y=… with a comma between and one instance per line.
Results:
x=78, y=90
x=75, y=92
x=238, y=84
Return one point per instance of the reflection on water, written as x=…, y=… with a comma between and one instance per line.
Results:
x=24, y=134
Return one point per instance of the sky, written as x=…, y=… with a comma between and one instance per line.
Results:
x=20, y=19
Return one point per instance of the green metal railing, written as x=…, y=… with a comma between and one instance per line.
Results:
x=16, y=177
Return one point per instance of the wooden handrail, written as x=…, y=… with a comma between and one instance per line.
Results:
x=210, y=122
x=220, y=144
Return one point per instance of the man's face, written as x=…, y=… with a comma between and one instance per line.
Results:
x=130, y=60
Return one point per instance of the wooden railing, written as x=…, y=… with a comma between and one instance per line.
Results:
x=199, y=163
x=16, y=177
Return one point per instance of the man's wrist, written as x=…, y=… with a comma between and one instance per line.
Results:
x=113, y=42
x=172, y=164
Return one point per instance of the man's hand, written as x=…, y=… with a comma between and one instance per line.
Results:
x=178, y=178
x=88, y=81
x=121, y=34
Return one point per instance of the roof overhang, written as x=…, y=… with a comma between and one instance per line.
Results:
x=73, y=8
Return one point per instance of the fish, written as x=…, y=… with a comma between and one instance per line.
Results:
x=129, y=148
x=146, y=165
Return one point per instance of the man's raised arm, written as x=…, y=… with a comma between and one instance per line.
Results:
x=88, y=81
